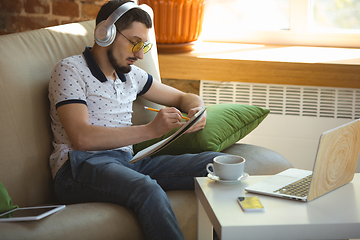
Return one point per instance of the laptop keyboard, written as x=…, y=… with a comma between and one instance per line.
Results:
x=299, y=188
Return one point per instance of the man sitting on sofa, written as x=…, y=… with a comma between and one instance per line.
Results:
x=91, y=98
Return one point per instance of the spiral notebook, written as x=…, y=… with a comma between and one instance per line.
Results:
x=164, y=143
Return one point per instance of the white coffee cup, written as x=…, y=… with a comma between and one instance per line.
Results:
x=227, y=167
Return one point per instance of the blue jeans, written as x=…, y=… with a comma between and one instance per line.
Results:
x=107, y=176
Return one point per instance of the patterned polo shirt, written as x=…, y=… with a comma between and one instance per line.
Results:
x=78, y=79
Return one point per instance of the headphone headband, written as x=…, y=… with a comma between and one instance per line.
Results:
x=105, y=31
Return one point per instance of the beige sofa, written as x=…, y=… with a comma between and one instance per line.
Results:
x=26, y=61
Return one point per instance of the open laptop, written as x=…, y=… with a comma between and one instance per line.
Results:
x=335, y=165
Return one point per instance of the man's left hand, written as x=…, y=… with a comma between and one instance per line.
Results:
x=200, y=124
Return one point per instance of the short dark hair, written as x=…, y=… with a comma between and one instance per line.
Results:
x=133, y=15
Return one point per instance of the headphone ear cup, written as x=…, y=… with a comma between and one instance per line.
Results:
x=104, y=36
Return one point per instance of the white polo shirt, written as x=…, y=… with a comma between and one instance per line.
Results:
x=78, y=79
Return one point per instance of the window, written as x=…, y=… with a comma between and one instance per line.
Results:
x=286, y=22
x=336, y=15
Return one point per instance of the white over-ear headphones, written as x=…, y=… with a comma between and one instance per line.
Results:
x=105, y=31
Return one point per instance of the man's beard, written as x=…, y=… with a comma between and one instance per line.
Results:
x=115, y=65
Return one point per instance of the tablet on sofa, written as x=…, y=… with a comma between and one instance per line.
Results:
x=29, y=213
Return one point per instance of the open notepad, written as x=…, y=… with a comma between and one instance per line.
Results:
x=162, y=144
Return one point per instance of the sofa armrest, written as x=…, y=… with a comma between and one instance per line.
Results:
x=259, y=160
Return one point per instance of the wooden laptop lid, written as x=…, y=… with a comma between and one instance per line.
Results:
x=336, y=159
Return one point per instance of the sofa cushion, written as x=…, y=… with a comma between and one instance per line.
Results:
x=26, y=62
x=100, y=221
x=226, y=124
x=27, y=59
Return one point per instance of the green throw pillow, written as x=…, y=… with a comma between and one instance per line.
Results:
x=226, y=124
x=5, y=200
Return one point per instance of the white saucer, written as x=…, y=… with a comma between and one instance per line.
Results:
x=217, y=179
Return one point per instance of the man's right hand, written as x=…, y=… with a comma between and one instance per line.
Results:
x=165, y=120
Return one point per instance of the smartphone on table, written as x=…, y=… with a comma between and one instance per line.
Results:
x=250, y=204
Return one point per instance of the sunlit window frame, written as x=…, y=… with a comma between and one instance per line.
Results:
x=300, y=32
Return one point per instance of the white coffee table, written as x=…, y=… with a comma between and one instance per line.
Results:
x=335, y=215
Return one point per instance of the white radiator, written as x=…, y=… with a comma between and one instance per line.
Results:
x=298, y=114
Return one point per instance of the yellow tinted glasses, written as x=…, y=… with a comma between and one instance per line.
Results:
x=139, y=45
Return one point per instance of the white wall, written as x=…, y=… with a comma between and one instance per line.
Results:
x=296, y=138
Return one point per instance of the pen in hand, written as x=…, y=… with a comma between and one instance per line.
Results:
x=155, y=110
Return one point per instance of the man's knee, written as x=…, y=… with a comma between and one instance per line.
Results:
x=147, y=193
x=146, y=187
